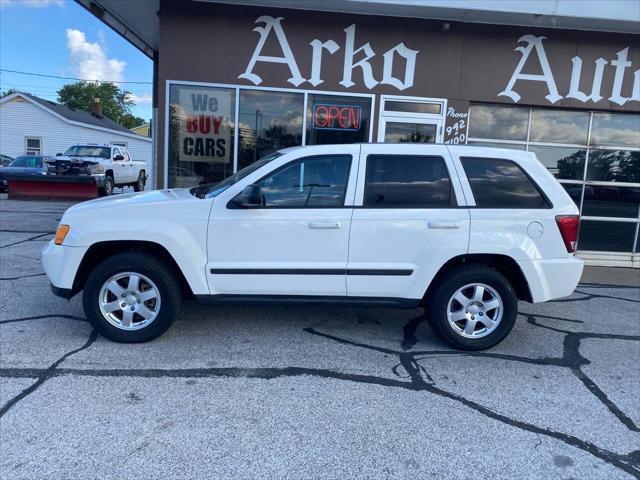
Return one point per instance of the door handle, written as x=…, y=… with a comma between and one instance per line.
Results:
x=333, y=224
x=444, y=224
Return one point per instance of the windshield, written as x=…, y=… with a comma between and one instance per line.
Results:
x=27, y=161
x=211, y=190
x=88, y=151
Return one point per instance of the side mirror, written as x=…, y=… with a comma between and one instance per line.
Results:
x=118, y=157
x=251, y=196
x=58, y=154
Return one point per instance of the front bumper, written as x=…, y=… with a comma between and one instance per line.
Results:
x=61, y=264
x=551, y=279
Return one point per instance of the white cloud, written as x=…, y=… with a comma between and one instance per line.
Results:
x=90, y=61
x=141, y=99
x=31, y=3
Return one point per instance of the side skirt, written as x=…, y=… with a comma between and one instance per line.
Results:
x=307, y=300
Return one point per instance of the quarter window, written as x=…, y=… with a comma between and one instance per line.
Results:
x=312, y=182
x=497, y=183
x=406, y=181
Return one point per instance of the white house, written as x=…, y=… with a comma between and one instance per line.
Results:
x=33, y=125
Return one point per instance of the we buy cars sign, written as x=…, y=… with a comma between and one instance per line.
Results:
x=205, y=130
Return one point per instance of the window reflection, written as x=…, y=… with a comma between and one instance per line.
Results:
x=400, y=132
x=611, y=201
x=575, y=192
x=558, y=126
x=267, y=122
x=562, y=162
x=606, y=236
x=616, y=129
x=499, y=122
x=515, y=146
x=614, y=166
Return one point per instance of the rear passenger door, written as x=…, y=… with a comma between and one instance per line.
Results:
x=409, y=219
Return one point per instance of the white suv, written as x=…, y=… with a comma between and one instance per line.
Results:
x=465, y=231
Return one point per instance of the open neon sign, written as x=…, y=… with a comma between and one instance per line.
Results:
x=336, y=117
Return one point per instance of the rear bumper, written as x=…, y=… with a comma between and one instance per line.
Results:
x=61, y=264
x=551, y=279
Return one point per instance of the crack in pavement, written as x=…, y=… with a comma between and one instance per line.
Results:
x=27, y=239
x=46, y=375
x=411, y=375
x=23, y=276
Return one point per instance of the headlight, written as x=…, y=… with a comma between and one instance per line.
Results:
x=93, y=169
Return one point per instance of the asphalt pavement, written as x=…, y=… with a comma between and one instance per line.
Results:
x=313, y=392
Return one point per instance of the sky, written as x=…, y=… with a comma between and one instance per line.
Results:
x=58, y=37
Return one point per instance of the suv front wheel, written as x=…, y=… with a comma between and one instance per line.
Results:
x=474, y=308
x=131, y=297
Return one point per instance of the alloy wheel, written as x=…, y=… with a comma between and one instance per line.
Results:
x=475, y=310
x=129, y=300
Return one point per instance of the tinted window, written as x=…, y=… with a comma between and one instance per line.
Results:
x=406, y=181
x=606, y=236
x=501, y=184
x=312, y=182
x=27, y=162
x=615, y=129
x=563, y=162
x=498, y=122
x=614, y=166
x=559, y=126
x=611, y=201
x=336, y=119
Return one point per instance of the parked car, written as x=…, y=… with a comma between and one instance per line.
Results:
x=5, y=160
x=112, y=164
x=23, y=165
x=465, y=231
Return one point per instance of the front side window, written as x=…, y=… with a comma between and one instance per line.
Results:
x=406, y=181
x=33, y=146
x=116, y=152
x=498, y=183
x=312, y=182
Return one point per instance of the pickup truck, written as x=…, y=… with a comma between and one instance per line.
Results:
x=111, y=165
x=463, y=231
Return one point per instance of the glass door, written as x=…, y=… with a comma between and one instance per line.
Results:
x=411, y=119
x=409, y=131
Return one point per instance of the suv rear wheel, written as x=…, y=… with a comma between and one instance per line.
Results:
x=474, y=308
x=131, y=297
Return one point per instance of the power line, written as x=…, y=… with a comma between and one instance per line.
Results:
x=69, y=78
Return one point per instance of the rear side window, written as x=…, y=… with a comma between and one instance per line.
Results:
x=498, y=183
x=406, y=181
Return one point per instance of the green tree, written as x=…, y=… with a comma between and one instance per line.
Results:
x=115, y=103
x=129, y=121
x=8, y=92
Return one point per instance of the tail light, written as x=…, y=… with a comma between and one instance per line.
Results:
x=569, y=225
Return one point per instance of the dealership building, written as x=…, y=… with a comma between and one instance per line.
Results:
x=236, y=80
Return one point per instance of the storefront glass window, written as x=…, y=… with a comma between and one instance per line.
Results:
x=267, y=122
x=200, y=134
x=558, y=126
x=337, y=119
x=604, y=157
x=498, y=122
x=619, y=129
x=614, y=166
x=566, y=163
x=606, y=236
x=611, y=201
x=515, y=146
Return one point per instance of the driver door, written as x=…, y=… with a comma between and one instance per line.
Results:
x=297, y=242
x=121, y=168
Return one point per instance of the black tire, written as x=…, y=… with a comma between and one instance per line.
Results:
x=107, y=188
x=142, y=180
x=438, y=307
x=148, y=266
